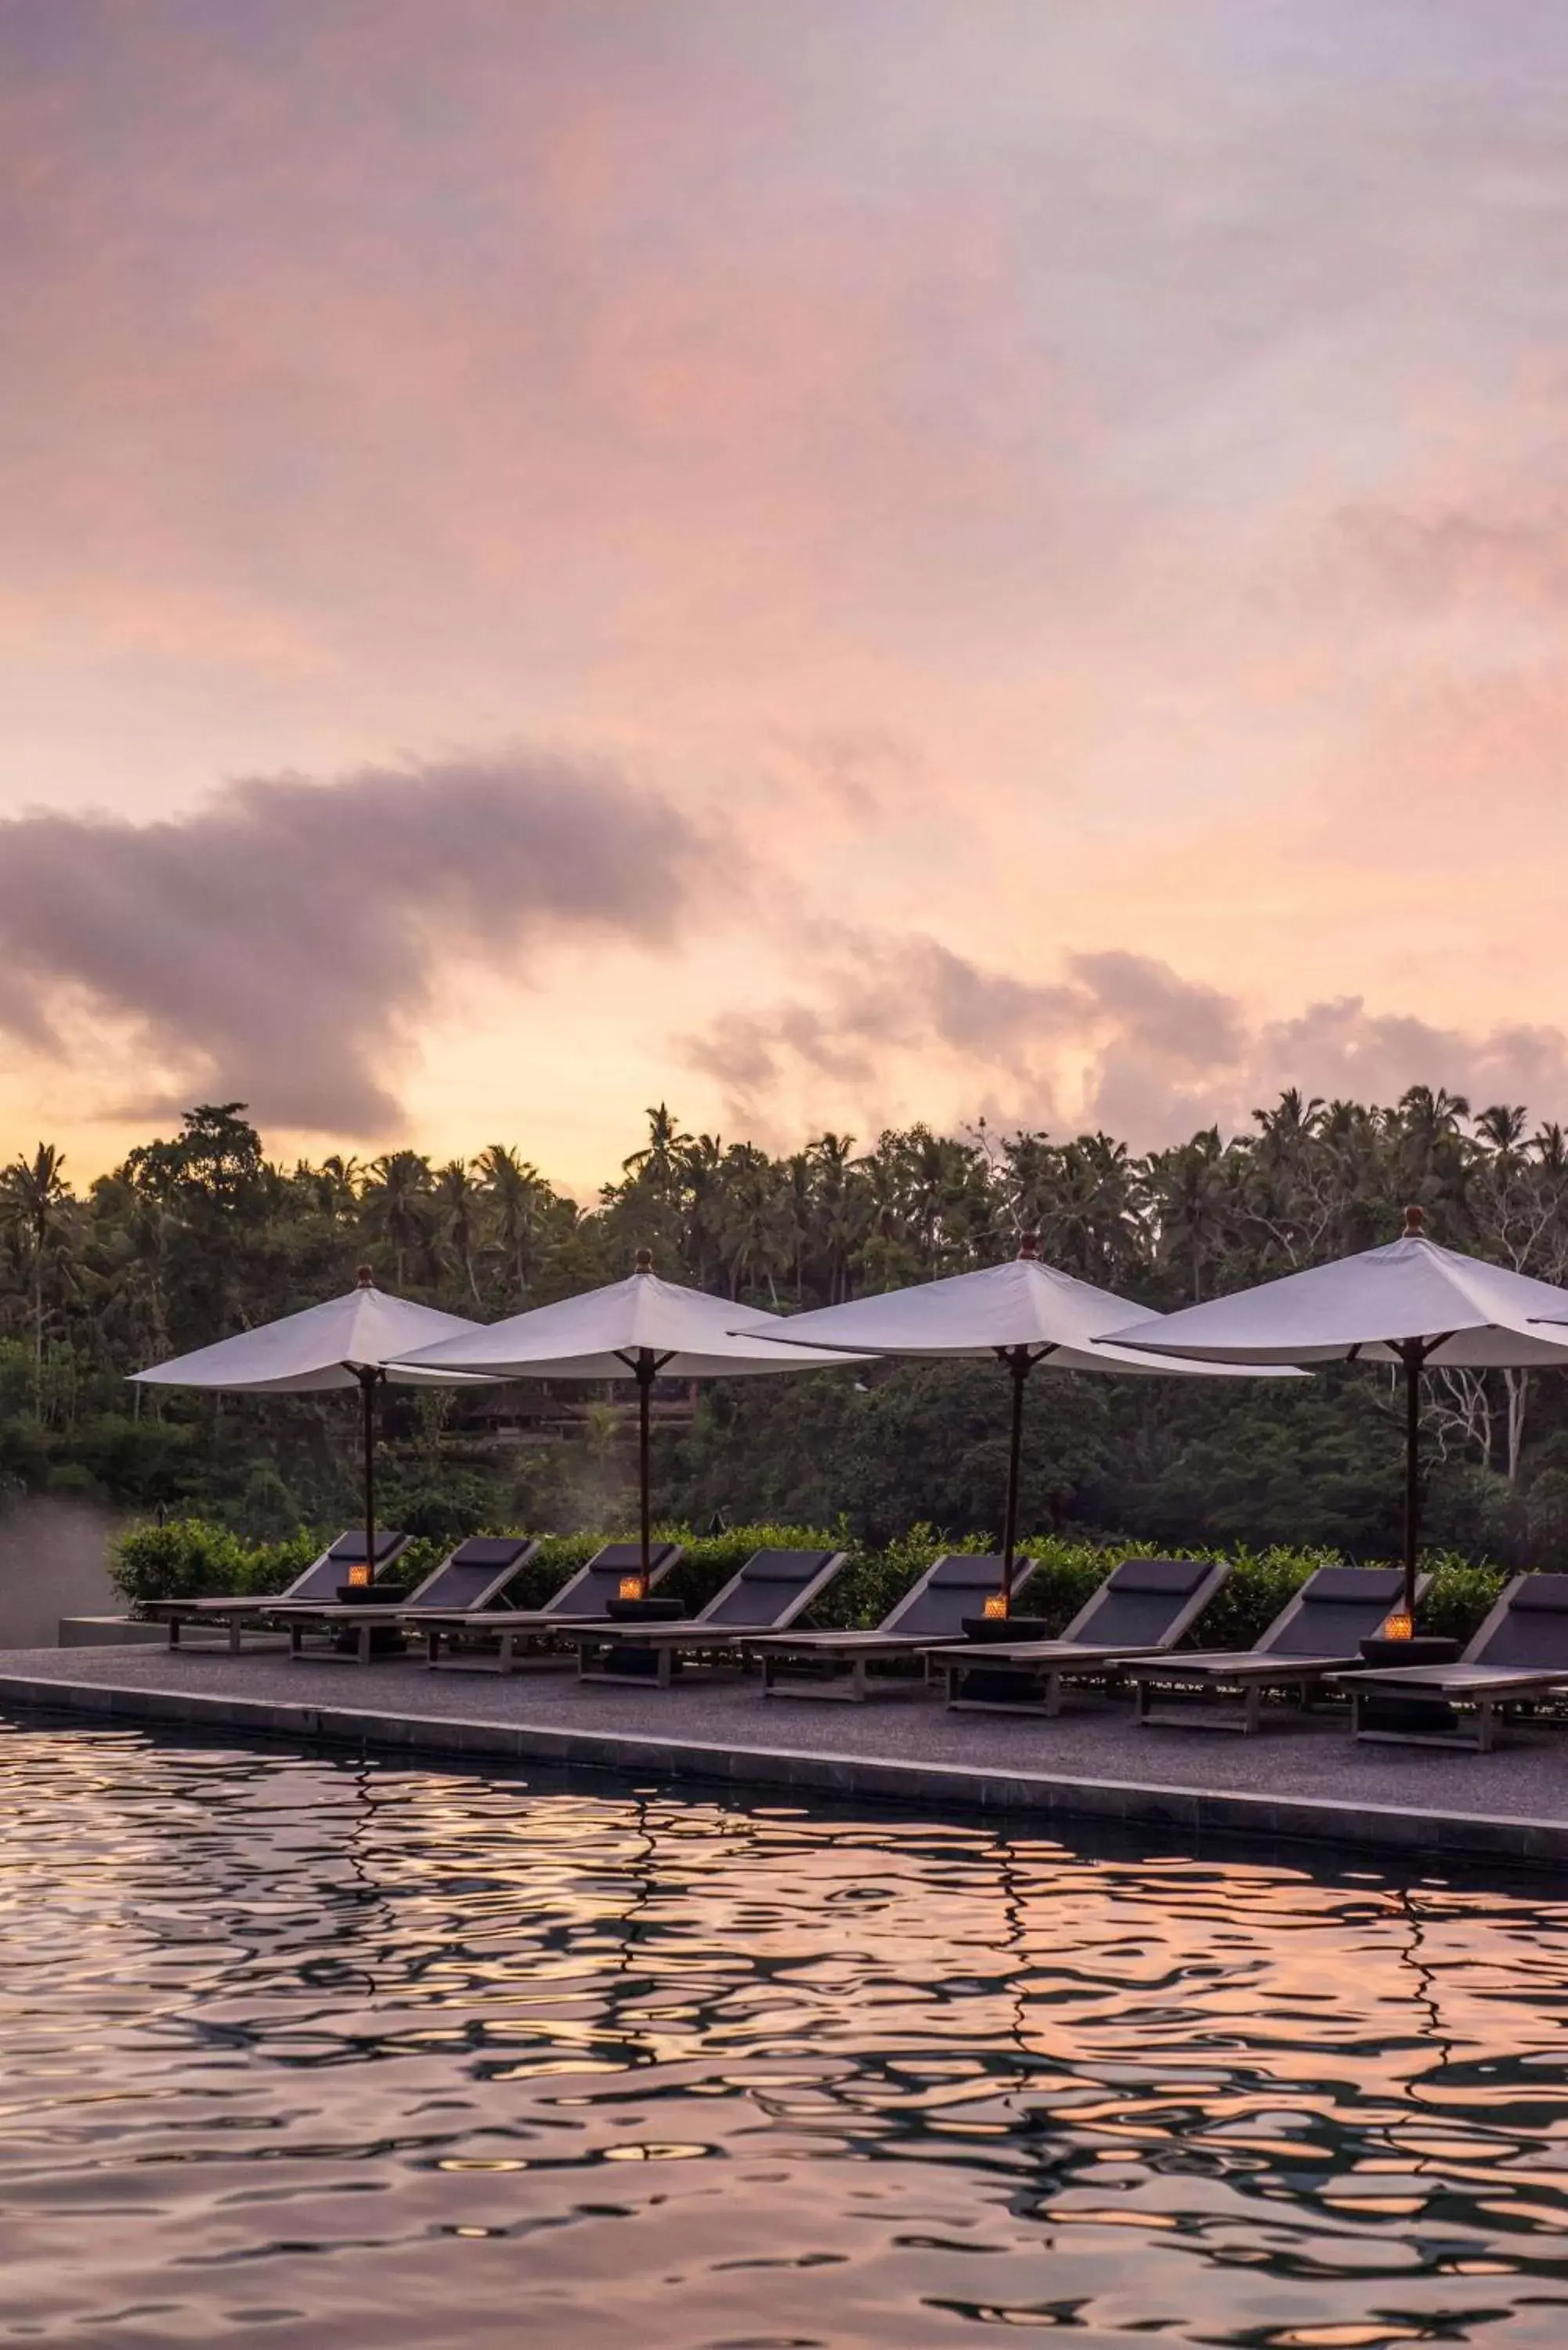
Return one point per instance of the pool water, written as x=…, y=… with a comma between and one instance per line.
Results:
x=302, y=2051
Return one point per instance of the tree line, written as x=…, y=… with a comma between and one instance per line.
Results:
x=200, y=1233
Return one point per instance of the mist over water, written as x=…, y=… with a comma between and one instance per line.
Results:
x=53, y=1563
x=326, y=2053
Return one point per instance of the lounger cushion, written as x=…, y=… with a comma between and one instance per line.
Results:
x=586, y=1593
x=350, y=1547
x=1542, y=1593
x=967, y=1570
x=1177, y=1577
x=786, y=1565
x=471, y=1571
x=1341, y=1606
x=767, y=1583
x=956, y=1588
x=1534, y=1628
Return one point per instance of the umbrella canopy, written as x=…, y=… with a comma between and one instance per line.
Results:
x=1411, y=1303
x=350, y=1341
x=641, y=1328
x=1024, y=1312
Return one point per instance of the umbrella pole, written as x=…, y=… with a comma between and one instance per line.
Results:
x=1411, y=1353
x=1019, y=1364
x=367, y=1393
x=644, y=1400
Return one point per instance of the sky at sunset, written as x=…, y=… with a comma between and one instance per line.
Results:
x=832, y=561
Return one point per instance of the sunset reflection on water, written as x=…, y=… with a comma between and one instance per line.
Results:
x=311, y=2049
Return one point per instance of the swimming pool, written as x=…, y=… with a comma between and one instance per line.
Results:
x=305, y=2050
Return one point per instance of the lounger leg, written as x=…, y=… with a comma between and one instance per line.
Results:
x=666, y=1668
x=233, y=1636
x=1356, y=1713
x=770, y=1667
x=362, y=1644
x=432, y=1645
x=172, y=1628
x=296, y=1640
x=1051, y=1695
x=858, y=1689
x=1484, y=1727
x=1253, y=1711
x=1143, y=1693
x=509, y=1649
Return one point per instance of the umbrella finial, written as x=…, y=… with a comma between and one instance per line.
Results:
x=643, y=1262
x=365, y=1276
x=1414, y=1223
x=1029, y=1244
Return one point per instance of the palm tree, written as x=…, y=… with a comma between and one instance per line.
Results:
x=34, y=1195
x=396, y=1205
x=514, y=1194
x=456, y=1201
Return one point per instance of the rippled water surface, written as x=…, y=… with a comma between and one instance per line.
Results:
x=313, y=2052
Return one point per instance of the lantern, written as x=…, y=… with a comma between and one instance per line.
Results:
x=359, y=1576
x=995, y=1605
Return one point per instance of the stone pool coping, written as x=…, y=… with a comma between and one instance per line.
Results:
x=726, y=1733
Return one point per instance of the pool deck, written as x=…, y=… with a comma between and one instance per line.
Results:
x=1302, y=1777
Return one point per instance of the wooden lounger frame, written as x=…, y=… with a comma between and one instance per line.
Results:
x=243, y=1610
x=1047, y=1666
x=1246, y=1673
x=521, y=1635
x=786, y=1657
x=669, y=1643
x=1472, y=1682
x=364, y=1623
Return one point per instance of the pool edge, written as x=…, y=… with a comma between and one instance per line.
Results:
x=1531, y=1843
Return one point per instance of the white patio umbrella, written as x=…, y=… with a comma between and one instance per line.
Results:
x=356, y=1340
x=640, y=1328
x=1023, y=1312
x=1411, y=1303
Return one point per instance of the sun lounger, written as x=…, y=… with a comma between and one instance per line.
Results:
x=469, y=1580
x=1519, y=1652
x=1143, y=1605
x=319, y=1584
x=1319, y=1633
x=772, y=1590
x=854, y=1666
x=510, y=1638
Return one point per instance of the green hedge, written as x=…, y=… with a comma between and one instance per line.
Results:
x=191, y=1556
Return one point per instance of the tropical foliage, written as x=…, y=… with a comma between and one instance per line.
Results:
x=191, y=1556
x=199, y=1234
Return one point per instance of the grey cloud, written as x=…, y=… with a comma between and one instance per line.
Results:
x=1123, y=1042
x=1429, y=562
x=275, y=943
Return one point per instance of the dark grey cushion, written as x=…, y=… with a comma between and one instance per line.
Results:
x=958, y=1588
x=493, y=1551
x=1174, y=1576
x=1542, y=1595
x=1533, y=1630
x=967, y=1570
x=469, y=1574
x=767, y=1585
x=786, y=1565
x=1359, y=1582
x=586, y=1593
x=1341, y=1606
x=351, y=1545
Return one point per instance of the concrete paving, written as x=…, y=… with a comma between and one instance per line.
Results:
x=1302, y=1776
